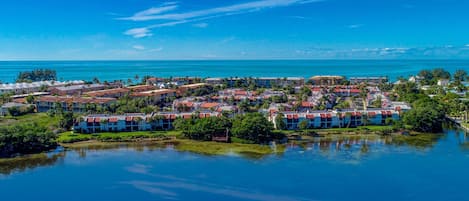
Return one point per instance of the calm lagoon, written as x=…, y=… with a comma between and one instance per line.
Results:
x=323, y=170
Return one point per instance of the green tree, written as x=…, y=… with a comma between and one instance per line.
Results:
x=30, y=99
x=427, y=115
x=460, y=75
x=253, y=126
x=303, y=125
x=279, y=122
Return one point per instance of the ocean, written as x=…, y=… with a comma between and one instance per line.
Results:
x=123, y=70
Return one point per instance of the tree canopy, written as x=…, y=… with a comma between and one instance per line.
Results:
x=37, y=75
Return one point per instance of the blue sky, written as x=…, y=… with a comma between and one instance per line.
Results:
x=247, y=29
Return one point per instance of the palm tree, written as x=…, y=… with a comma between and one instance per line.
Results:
x=136, y=77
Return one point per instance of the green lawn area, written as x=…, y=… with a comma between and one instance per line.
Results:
x=42, y=119
x=70, y=137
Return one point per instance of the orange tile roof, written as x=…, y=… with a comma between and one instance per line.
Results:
x=107, y=92
x=209, y=105
x=72, y=99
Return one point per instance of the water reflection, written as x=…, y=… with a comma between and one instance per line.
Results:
x=336, y=147
x=24, y=163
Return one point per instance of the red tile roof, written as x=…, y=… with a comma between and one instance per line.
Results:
x=307, y=104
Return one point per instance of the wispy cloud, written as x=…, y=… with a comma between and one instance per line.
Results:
x=142, y=15
x=355, y=26
x=138, y=47
x=201, y=25
x=139, y=32
x=167, y=17
x=299, y=17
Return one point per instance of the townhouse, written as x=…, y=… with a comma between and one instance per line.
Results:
x=71, y=103
x=155, y=96
x=109, y=93
x=326, y=80
x=368, y=80
x=336, y=119
x=190, y=88
x=74, y=90
x=26, y=88
x=134, y=122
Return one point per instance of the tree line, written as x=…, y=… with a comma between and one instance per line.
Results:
x=252, y=127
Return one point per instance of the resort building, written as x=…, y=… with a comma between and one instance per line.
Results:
x=71, y=103
x=443, y=82
x=74, y=90
x=109, y=93
x=368, y=80
x=133, y=122
x=156, y=96
x=27, y=88
x=326, y=80
x=334, y=119
x=269, y=82
x=190, y=88
x=214, y=81
x=346, y=91
x=140, y=88
x=5, y=108
x=155, y=81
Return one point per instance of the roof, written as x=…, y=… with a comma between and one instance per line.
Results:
x=24, y=85
x=31, y=94
x=209, y=105
x=140, y=88
x=214, y=79
x=192, y=86
x=307, y=104
x=107, y=92
x=154, y=92
x=72, y=99
x=327, y=77
x=13, y=104
x=369, y=78
x=81, y=86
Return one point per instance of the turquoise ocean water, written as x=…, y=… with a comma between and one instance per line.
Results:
x=115, y=70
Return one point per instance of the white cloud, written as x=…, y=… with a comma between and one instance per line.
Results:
x=262, y=4
x=355, y=26
x=152, y=11
x=201, y=25
x=139, y=32
x=138, y=47
x=167, y=17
